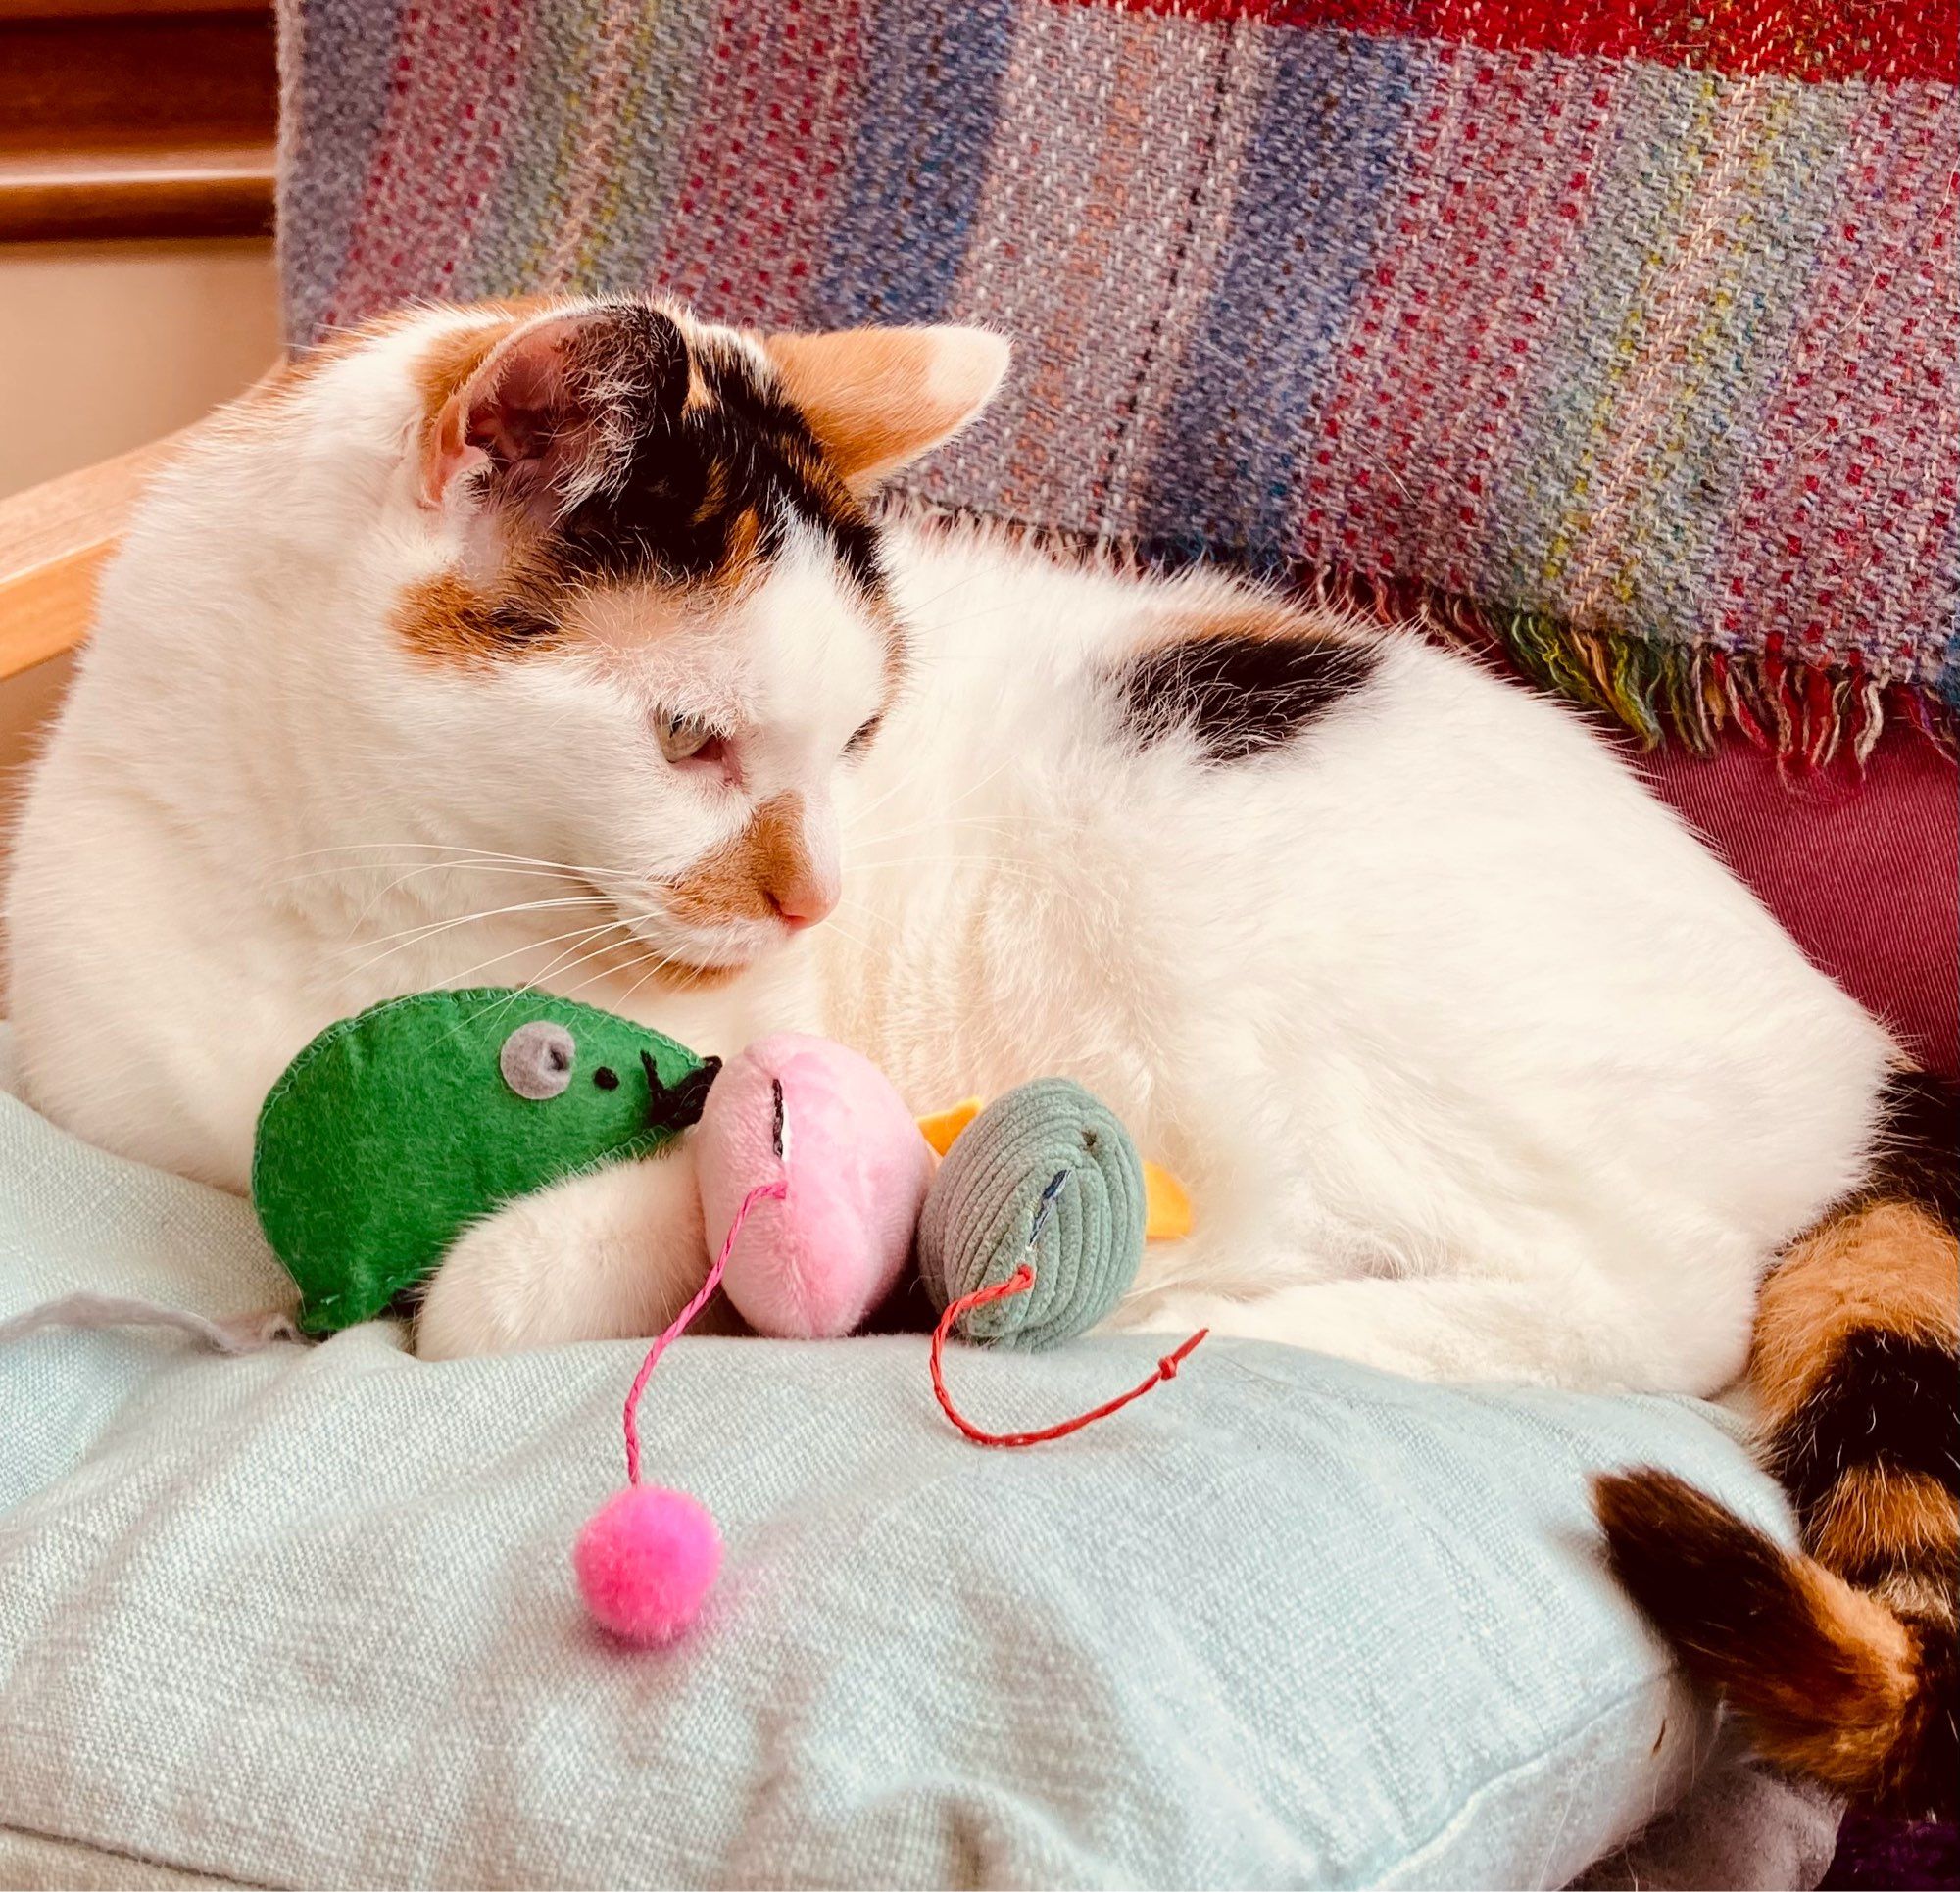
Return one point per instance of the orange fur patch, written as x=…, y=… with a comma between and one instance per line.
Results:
x=1824, y=1675
x=446, y=620
x=876, y=398
x=1837, y=1716
x=1237, y=621
x=745, y=878
x=451, y=360
x=1875, y=1512
x=745, y=537
x=440, y=619
x=1886, y=1265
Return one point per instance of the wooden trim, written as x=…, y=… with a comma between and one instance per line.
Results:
x=136, y=117
x=207, y=190
x=43, y=10
x=53, y=541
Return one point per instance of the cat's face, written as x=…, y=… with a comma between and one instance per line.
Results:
x=656, y=609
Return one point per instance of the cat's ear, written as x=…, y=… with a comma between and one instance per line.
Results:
x=551, y=407
x=876, y=398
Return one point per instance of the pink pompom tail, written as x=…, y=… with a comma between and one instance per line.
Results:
x=648, y=1557
x=645, y=1563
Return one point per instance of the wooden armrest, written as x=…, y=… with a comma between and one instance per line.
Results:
x=53, y=540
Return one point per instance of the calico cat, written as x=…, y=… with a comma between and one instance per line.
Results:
x=560, y=643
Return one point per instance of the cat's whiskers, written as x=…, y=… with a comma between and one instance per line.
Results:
x=909, y=778
x=869, y=912
x=546, y=874
x=488, y=913
x=904, y=781
x=659, y=963
x=457, y=848
x=414, y=936
x=558, y=967
x=1025, y=873
x=836, y=926
x=428, y=867
x=657, y=967
x=459, y=979
x=572, y=957
x=1007, y=862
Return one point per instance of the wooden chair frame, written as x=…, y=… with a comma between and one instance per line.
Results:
x=53, y=541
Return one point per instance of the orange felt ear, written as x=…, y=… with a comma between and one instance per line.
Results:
x=876, y=398
x=942, y=1126
x=1166, y=1206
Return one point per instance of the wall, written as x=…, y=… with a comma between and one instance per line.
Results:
x=104, y=346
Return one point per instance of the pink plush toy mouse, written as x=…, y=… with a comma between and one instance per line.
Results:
x=811, y=1264
x=812, y=1173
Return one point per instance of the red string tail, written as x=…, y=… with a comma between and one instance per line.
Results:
x=762, y=1192
x=1019, y=1282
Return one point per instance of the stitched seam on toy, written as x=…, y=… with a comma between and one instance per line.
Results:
x=323, y=1041
x=318, y=1047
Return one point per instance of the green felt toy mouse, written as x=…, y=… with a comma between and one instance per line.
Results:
x=394, y=1130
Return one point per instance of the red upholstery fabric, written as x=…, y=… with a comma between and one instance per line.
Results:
x=1865, y=874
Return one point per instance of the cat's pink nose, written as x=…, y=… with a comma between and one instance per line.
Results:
x=794, y=872
x=803, y=906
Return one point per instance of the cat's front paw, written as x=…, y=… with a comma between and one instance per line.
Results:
x=596, y=1257
x=493, y=1292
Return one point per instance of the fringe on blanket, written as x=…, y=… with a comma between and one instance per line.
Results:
x=1808, y=715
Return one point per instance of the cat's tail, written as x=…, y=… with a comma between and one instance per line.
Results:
x=1841, y=1660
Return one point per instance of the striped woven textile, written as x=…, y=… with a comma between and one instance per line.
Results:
x=1623, y=330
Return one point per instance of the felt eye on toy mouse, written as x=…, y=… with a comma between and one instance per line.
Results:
x=537, y=1061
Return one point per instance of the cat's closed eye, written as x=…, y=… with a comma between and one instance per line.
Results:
x=685, y=739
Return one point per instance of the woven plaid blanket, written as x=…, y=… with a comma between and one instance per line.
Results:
x=1622, y=330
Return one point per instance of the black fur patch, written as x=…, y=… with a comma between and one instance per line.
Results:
x=1886, y=1400
x=1238, y=696
x=1919, y=1156
x=700, y=475
x=1929, y=1782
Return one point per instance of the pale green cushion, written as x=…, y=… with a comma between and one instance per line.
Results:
x=306, y=1616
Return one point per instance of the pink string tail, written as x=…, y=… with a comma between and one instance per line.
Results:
x=762, y=1193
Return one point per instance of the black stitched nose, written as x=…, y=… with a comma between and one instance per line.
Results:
x=675, y=1107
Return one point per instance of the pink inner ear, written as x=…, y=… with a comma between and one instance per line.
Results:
x=526, y=411
x=520, y=412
